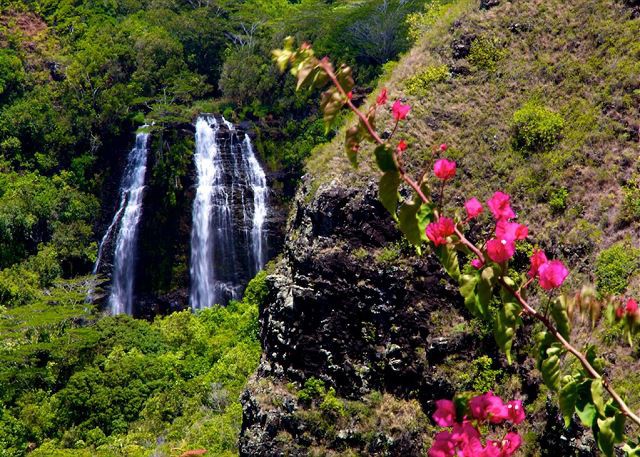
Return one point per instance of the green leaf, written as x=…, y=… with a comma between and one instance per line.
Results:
x=413, y=218
x=352, y=144
x=488, y=278
x=550, y=368
x=560, y=316
x=388, y=191
x=506, y=322
x=331, y=101
x=468, y=291
x=449, y=258
x=568, y=397
x=585, y=408
x=596, y=362
x=307, y=72
x=597, y=395
x=461, y=403
x=384, y=158
x=606, y=436
x=631, y=449
x=345, y=78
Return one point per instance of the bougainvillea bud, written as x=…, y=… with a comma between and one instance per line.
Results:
x=402, y=146
x=382, y=98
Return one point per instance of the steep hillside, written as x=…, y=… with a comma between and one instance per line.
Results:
x=540, y=99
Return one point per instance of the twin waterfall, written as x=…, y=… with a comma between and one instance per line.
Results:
x=229, y=211
x=228, y=214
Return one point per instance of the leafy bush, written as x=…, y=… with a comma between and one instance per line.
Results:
x=614, y=266
x=536, y=128
x=630, y=209
x=558, y=200
x=313, y=389
x=427, y=78
x=485, y=53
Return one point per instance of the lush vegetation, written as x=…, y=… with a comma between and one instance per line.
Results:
x=77, y=78
x=77, y=384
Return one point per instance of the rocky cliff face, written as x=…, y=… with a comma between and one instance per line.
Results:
x=353, y=309
x=345, y=306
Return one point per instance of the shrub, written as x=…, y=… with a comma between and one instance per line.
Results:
x=558, y=200
x=313, y=389
x=427, y=78
x=630, y=209
x=536, y=128
x=485, y=53
x=614, y=266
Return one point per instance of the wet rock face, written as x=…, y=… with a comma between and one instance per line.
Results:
x=335, y=313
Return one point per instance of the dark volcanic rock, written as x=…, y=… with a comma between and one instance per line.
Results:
x=357, y=325
x=487, y=4
x=462, y=46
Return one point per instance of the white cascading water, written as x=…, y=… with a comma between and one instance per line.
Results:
x=229, y=210
x=127, y=218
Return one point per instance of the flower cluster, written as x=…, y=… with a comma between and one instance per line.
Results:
x=502, y=247
x=464, y=439
x=550, y=273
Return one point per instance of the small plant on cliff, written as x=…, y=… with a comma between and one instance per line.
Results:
x=583, y=388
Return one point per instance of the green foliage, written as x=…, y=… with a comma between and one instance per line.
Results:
x=630, y=208
x=558, y=200
x=72, y=380
x=480, y=376
x=485, y=53
x=420, y=83
x=536, y=128
x=614, y=266
x=313, y=389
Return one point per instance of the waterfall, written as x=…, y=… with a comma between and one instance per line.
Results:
x=126, y=218
x=229, y=210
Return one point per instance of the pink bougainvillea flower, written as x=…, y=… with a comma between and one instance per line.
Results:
x=473, y=207
x=444, y=169
x=438, y=231
x=500, y=250
x=499, y=206
x=511, y=231
x=631, y=307
x=465, y=435
x=515, y=411
x=445, y=414
x=399, y=110
x=537, y=259
x=382, y=98
x=443, y=446
x=402, y=146
x=620, y=312
x=492, y=449
x=510, y=444
x=349, y=95
x=552, y=274
x=477, y=263
x=443, y=147
x=488, y=407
